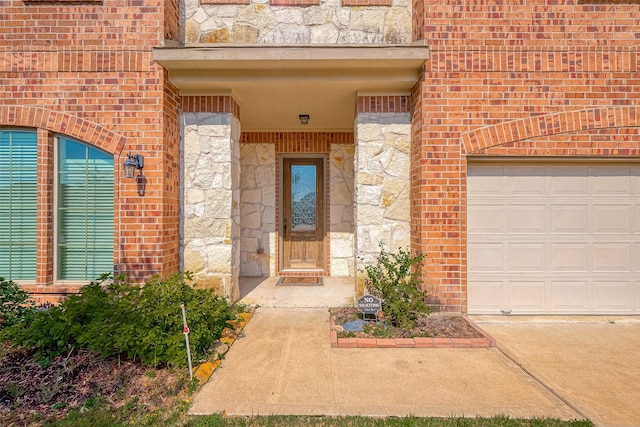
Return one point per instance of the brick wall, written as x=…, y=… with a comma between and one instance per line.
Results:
x=170, y=226
x=172, y=20
x=85, y=70
x=512, y=79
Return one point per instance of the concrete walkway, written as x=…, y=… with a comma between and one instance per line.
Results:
x=264, y=292
x=593, y=363
x=284, y=365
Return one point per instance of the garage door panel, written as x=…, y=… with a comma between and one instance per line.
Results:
x=611, y=296
x=485, y=257
x=569, y=257
x=571, y=219
x=611, y=257
x=486, y=219
x=486, y=296
x=556, y=238
x=611, y=181
x=527, y=295
x=568, y=181
x=526, y=181
x=570, y=296
x=526, y=257
x=529, y=219
x=487, y=181
x=611, y=219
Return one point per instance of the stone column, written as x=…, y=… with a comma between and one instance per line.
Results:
x=211, y=200
x=382, y=200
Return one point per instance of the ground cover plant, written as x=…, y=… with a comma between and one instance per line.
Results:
x=114, y=318
x=104, y=347
x=15, y=305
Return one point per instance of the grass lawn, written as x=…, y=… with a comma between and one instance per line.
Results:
x=177, y=416
x=282, y=421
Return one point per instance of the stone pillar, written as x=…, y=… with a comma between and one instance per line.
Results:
x=382, y=188
x=211, y=198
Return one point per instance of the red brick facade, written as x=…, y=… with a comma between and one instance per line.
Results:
x=512, y=79
x=85, y=70
x=534, y=78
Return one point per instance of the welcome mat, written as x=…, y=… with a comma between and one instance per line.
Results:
x=299, y=281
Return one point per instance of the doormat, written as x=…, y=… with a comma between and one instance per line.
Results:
x=299, y=281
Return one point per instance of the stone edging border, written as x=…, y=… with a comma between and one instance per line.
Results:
x=203, y=371
x=487, y=341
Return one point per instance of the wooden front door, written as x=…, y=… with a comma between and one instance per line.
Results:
x=302, y=219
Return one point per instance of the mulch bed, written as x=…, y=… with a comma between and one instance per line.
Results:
x=30, y=391
x=438, y=325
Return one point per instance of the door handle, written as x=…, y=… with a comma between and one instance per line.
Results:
x=285, y=228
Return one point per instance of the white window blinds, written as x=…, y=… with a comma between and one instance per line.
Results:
x=85, y=211
x=18, y=199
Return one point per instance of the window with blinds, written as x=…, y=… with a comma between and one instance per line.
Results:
x=85, y=211
x=18, y=199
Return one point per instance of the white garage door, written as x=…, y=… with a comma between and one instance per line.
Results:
x=558, y=238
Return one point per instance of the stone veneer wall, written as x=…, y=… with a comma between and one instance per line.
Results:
x=259, y=181
x=327, y=23
x=211, y=186
x=382, y=183
x=341, y=227
x=258, y=210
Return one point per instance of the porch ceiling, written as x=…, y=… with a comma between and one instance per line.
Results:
x=274, y=84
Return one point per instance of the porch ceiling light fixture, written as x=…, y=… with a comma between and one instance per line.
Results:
x=304, y=119
x=132, y=163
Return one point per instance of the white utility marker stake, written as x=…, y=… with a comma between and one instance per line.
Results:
x=186, y=337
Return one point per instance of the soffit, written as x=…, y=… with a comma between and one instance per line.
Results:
x=274, y=84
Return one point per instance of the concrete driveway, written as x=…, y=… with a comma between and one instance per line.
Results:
x=591, y=363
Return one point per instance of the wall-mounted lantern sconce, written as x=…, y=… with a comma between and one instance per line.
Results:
x=304, y=119
x=141, y=183
x=132, y=163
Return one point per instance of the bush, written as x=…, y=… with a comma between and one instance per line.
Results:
x=395, y=278
x=15, y=305
x=113, y=318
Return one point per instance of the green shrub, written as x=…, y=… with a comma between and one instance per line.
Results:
x=144, y=322
x=395, y=278
x=15, y=305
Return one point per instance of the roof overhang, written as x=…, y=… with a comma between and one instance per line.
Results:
x=274, y=84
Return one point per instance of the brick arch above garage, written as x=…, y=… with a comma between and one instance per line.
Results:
x=67, y=124
x=503, y=138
